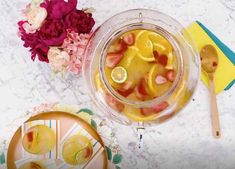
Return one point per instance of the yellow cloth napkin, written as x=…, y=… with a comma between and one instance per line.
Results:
x=225, y=72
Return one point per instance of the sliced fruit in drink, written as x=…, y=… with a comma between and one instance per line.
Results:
x=160, y=44
x=155, y=109
x=141, y=90
x=119, y=74
x=155, y=84
x=30, y=136
x=135, y=113
x=160, y=107
x=170, y=62
x=121, y=46
x=112, y=59
x=170, y=74
x=160, y=79
x=135, y=67
x=114, y=103
x=32, y=165
x=39, y=139
x=129, y=39
x=126, y=89
x=99, y=84
x=77, y=149
x=162, y=59
x=145, y=46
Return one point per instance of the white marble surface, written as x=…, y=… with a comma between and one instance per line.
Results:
x=182, y=143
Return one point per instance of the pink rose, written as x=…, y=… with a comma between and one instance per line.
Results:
x=52, y=32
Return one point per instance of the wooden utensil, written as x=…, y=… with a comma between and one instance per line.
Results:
x=209, y=61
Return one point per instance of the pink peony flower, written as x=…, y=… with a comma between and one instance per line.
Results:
x=75, y=46
x=79, y=21
x=52, y=32
x=57, y=9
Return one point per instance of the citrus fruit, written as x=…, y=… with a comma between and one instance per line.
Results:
x=119, y=74
x=145, y=46
x=160, y=44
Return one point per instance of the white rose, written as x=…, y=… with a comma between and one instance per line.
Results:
x=35, y=16
x=58, y=59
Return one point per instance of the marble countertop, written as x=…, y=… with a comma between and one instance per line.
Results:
x=184, y=142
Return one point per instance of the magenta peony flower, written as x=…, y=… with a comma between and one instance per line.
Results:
x=52, y=32
x=79, y=21
x=33, y=42
x=57, y=9
x=40, y=50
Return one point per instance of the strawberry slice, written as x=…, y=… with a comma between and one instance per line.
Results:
x=160, y=107
x=170, y=75
x=160, y=79
x=162, y=59
x=129, y=39
x=141, y=89
x=87, y=153
x=155, y=109
x=126, y=89
x=30, y=136
x=114, y=103
x=125, y=93
x=156, y=54
x=147, y=111
x=112, y=59
x=121, y=46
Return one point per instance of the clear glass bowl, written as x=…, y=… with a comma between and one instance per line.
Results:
x=188, y=65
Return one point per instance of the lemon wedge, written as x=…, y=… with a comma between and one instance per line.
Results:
x=119, y=74
x=145, y=46
x=160, y=44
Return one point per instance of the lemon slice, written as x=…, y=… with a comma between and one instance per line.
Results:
x=145, y=46
x=160, y=44
x=152, y=75
x=170, y=62
x=119, y=74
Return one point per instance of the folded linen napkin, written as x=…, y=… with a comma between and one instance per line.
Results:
x=225, y=73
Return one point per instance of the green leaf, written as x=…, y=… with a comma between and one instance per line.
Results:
x=93, y=124
x=117, y=158
x=88, y=111
x=109, y=153
x=2, y=158
x=117, y=167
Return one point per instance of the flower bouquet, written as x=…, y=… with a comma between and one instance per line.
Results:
x=57, y=33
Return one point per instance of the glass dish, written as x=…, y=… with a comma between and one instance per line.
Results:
x=186, y=78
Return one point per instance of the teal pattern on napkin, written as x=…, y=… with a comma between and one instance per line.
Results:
x=228, y=52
